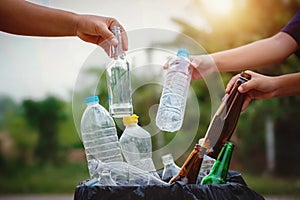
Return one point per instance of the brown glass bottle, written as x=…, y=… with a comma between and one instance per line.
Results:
x=190, y=169
x=225, y=119
x=220, y=130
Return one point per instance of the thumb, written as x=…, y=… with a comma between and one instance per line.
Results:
x=109, y=37
x=194, y=62
x=249, y=85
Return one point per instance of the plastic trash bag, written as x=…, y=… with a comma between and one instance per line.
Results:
x=235, y=189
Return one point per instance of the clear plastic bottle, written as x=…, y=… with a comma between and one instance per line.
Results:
x=207, y=164
x=136, y=145
x=118, y=80
x=99, y=136
x=172, y=104
x=105, y=178
x=170, y=168
x=125, y=174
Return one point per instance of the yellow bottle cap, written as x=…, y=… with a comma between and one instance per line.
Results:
x=133, y=119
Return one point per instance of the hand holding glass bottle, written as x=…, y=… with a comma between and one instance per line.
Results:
x=118, y=80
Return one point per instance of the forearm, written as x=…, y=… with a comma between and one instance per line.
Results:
x=25, y=18
x=287, y=85
x=260, y=53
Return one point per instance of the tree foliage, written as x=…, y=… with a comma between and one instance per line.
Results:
x=45, y=116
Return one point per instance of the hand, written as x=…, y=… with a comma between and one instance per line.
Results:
x=96, y=29
x=203, y=66
x=258, y=87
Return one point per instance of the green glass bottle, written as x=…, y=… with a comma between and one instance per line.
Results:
x=219, y=170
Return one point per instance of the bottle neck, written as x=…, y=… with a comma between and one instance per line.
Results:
x=169, y=164
x=221, y=166
x=117, y=52
x=92, y=103
x=131, y=125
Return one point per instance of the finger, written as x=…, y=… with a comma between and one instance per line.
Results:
x=123, y=34
x=124, y=39
x=246, y=102
x=166, y=65
x=106, y=48
x=194, y=62
x=106, y=36
x=231, y=83
x=247, y=86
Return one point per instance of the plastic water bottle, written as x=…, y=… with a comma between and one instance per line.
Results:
x=170, y=168
x=99, y=136
x=125, y=174
x=136, y=145
x=206, y=166
x=105, y=178
x=118, y=80
x=172, y=104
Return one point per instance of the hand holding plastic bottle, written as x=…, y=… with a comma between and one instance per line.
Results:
x=203, y=65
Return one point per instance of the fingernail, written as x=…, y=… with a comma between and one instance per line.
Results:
x=240, y=89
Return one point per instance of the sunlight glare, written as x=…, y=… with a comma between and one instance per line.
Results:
x=218, y=7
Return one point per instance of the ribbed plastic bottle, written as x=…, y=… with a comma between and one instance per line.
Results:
x=118, y=80
x=136, y=145
x=172, y=104
x=170, y=167
x=219, y=171
x=99, y=135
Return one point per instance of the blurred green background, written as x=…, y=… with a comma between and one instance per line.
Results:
x=41, y=152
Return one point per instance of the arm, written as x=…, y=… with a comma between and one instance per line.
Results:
x=260, y=53
x=25, y=18
x=266, y=87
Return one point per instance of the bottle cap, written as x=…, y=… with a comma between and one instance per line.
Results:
x=201, y=140
x=92, y=99
x=183, y=52
x=166, y=159
x=229, y=145
x=133, y=119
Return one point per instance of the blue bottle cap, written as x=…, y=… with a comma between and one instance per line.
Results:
x=92, y=99
x=183, y=52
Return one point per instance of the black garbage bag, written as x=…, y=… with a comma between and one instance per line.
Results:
x=235, y=189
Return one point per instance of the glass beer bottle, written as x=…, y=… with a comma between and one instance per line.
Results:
x=225, y=119
x=219, y=171
x=190, y=168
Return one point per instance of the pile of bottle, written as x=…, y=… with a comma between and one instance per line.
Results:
x=105, y=152
x=128, y=160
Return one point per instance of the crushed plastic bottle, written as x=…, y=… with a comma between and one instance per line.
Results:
x=125, y=174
